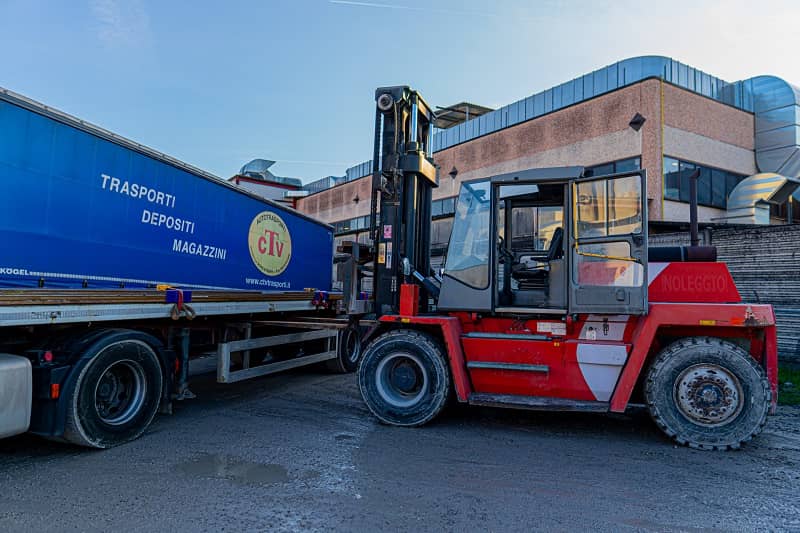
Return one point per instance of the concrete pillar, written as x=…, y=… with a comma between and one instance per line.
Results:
x=652, y=145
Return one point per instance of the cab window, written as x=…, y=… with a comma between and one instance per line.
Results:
x=468, y=251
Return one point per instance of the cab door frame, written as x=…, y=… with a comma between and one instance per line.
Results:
x=553, y=175
x=619, y=296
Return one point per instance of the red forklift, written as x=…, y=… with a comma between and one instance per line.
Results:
x=550, y=300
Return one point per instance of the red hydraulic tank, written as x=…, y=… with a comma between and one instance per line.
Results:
x=409, y=299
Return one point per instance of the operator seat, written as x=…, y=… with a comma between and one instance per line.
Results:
x=538, y=277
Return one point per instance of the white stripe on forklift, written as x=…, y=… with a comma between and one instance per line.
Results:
x=601, y=365
x=653, y=270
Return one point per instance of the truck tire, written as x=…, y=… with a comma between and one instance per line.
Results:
x=349, y=351
x=117, y=393
x=707, y=393
x=404, y=378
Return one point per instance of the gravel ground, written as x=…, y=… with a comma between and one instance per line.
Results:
x=300, y=452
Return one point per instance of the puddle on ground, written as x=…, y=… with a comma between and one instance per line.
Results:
x=234, y=469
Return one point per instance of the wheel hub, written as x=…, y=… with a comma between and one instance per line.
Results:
x=401, y=379
x=120, y=392
x=404, y=378
x=708, y=394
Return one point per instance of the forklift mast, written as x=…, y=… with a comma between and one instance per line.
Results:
x=403, y=176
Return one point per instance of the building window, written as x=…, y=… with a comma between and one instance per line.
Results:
x=614, y=167
x=672, y=178
x=443, y=207
x=351, y=225
x=714, y=185
x=628, y=165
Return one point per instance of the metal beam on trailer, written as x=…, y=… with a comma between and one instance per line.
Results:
x=313, y=323
x=9, y=297
x=33, y=315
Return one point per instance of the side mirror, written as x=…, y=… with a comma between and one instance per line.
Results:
x=406, y=267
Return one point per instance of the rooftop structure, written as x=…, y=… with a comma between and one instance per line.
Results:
x=774, y=102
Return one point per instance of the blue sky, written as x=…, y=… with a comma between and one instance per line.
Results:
x=217, y=84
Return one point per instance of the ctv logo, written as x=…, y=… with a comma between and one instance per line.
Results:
x=270, y=243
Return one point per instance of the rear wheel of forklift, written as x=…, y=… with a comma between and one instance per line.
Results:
x=707, y=393
x=349, y=351
x=404, y=378
x=117, y=393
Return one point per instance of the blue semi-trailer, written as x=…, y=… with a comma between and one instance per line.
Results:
x=118, y=264
x=86, y=209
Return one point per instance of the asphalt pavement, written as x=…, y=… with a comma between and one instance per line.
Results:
x=300, y=452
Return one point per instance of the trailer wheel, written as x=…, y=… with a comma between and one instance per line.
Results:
x=707, y=393
x=349, y=352
x=404, y=378
x=116, y=394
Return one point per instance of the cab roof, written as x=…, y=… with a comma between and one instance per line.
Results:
x=540, y=175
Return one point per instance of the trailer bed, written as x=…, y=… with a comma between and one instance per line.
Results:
x=29, y=307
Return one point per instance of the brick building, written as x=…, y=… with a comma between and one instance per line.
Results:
x=645, y=112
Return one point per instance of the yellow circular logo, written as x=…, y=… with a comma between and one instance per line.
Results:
x=270, y=243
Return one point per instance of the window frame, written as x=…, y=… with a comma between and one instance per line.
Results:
x=687, y=166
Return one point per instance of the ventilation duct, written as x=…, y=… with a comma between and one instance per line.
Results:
x=750, y=200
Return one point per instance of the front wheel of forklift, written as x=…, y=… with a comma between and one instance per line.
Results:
x=403, y=378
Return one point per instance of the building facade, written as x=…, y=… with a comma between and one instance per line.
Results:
x=647, y=112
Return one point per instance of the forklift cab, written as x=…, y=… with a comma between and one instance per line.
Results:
x=548, y=241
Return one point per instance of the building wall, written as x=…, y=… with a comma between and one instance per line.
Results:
x=679, y=212
x=689, y=146
x=338, y=203
x=679, y=123
x=694, y=113
x=592, y=132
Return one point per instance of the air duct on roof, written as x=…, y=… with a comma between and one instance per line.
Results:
x=258, y=169
x=777, y=114
x=749, y=201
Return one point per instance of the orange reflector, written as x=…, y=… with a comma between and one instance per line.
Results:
x=55, y=391
x=405, y=320
x=708, y=322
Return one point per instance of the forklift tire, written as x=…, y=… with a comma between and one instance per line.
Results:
x=707, y=393
x=349, y=351
x=404, y=378
x=117, y=393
